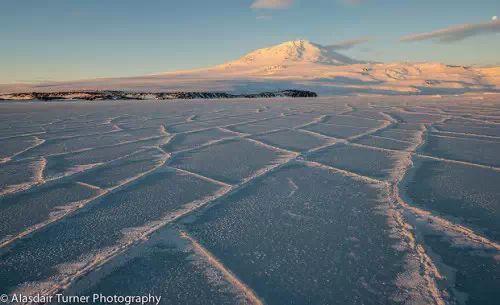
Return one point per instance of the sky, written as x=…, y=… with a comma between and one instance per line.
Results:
x=49, y=40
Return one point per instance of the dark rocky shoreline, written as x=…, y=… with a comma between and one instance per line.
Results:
x=124, y=95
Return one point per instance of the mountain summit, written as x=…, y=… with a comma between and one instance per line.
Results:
x=297, y=64
x=293, y=52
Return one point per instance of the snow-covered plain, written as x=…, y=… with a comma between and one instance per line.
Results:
x=334, y=200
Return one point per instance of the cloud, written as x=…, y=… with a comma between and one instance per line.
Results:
x=272, y=4
x=457, y=32
x=348, y=44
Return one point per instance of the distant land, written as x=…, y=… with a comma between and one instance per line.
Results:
x=125, y=95
x=300, y=65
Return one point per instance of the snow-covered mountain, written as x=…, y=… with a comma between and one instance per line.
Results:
x=291, y=53
x=299, y=64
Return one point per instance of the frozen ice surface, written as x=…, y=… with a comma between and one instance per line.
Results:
x=337, y=131
x=67, y=145
x=383, y=142
x=288, y=121
x=480, y=151
x=252, y=128
x=195, y=139
x=352, y=121
x=292, y=140
x=23, y=210
x=72, y=131
x=163, y=266
x=473, y=271
x=112, y=220
x=367, y=114
x=469, y=194
x=468, y=128
x=187, y=127
x=144, y=133
x=269, y=123
x=414, y=117
x=398, y=134
x=64, y=164
x=293, y=232
x=115, y=173
x=365, y=161
x=408, y=126
x=334, y=200
x=16, y=145
x=18, y=175
x=231, y=161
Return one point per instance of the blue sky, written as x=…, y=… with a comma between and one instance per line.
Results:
x=73, y=39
